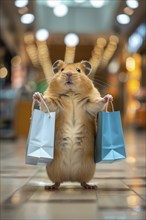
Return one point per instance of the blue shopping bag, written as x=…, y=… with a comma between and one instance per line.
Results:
x=109, y=144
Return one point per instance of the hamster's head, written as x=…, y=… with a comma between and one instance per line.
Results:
x=71, y=77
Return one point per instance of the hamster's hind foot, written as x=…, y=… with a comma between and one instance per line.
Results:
x=53, y=187
x=87, y=186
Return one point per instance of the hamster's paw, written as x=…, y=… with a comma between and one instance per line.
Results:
x=87, y=186
x=37, y=96
x=52, y=187
x=107, y=98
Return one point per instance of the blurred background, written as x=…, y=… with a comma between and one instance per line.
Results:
x=110, y=34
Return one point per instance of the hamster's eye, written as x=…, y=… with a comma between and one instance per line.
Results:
x=77, y=69
x=62, y=69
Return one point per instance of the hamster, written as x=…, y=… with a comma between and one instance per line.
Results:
x=72, y=95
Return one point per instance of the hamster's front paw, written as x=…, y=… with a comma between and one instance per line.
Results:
x=107, y=98
x=37, y=96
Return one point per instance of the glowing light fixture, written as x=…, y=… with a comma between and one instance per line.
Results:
x=123, y=19
x=28, y=38
x=133, y=86
x=130, y=64
x=137, y=38
x=132, y=3
x=128, y=11
x=71, y=40
x=53, y=3
x=60, y=10
x=42, y=34
x=114, y=67
x=23, y=10
x=3, y=72
x=21, y=3
x=114, y=38
x=16, y=61
x=101, y=42
x=142, y=30
x=134, y=42
x=97, y=3
x=27, y=18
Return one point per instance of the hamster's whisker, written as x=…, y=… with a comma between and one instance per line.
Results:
x=98, y=83
x=102, y=88
x=101, y=82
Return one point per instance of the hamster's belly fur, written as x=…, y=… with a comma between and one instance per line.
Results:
x=74, y=144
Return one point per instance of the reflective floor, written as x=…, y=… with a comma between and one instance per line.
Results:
x=121, y=190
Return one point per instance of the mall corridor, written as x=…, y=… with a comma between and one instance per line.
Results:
x=51, y=47
x=121, y=187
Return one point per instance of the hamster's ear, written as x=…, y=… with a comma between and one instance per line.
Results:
x=88, y=67
x=57, y=65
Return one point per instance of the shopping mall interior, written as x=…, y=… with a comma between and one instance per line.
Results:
x=111, y=35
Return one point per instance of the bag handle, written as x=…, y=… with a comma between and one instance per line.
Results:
x=42, y=100
x=111, y=106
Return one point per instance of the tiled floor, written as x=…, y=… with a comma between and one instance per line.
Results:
x=121, y=190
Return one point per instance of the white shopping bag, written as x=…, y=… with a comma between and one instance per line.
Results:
x=40, y=143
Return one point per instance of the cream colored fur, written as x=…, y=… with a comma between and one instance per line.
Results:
x=76, y=107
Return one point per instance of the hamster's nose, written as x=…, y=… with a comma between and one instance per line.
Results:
x=69, y=74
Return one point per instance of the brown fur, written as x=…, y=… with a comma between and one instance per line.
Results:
x=76, y=106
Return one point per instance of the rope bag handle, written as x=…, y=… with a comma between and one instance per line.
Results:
x=43, y=101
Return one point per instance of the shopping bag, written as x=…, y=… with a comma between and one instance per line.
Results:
x=40, y=142
x=109, y=144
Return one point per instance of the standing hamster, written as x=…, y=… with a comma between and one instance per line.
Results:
x=72, y=95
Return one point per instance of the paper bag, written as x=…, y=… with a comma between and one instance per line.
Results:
x=40, y=143
x=109, y=144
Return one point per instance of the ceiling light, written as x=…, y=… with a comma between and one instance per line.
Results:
x=28, y=38
x=132, y=3
x=16, y=61
x=21, y=3
x=130, y=64
x=114, y=38
x=23, y=10
x=97, y=3
x=71, y=40
x=128, y=11
x=60, y=10
x=53, y=3
x=3, y=72
x=134, y=42
x=142, y=30
x=42, y=35
x=27, y=18
x=123, y=19
x=114, y=67
x=101, y=42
